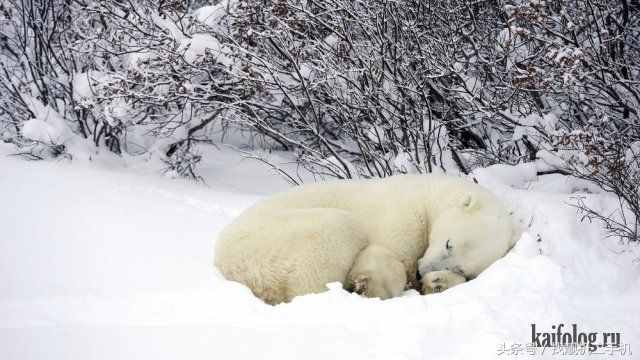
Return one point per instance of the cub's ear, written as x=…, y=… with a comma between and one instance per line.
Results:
x=469, y=202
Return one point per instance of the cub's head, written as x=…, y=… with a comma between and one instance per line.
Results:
x=377, y=273
x=467, y=238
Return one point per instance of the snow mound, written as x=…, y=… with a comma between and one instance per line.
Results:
x=46, y=126
x=214, y=15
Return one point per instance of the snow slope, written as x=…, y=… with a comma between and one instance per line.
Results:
x=109, y=263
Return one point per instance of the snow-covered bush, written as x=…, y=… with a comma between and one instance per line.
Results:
x=352, y=88
x=365, y=89
x=381, y=87
x=131, y=77
x=581, y=65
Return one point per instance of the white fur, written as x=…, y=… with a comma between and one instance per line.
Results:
x=439, y=281
x=466, y=239
x=283, y=253
x=295, y=242
x=377, y=273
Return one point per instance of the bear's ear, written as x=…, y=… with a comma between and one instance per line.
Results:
x=469, y=202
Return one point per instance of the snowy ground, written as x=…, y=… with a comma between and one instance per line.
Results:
x=104, y=262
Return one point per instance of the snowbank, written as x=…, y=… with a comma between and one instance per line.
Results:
x=107, y=264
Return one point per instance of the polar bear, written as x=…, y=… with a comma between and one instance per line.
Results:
x=295, y=242
x=464, y=241
x=284, y=253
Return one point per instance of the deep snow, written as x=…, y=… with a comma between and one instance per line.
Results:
x=107, y=262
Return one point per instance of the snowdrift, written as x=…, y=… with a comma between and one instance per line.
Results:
x=104, y=263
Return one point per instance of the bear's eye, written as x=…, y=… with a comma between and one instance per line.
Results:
x=448, y=245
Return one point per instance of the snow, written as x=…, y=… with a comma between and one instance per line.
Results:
x=213, y=15
x=548, y=123
x=198, y=44
x=194, y=46
x=99, y=261
x=82, y=85
x=135, y=60
x=47, y=126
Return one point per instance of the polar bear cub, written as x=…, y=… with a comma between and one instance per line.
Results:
x=376, y=272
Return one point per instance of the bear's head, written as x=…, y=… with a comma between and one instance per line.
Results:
x=467, y=238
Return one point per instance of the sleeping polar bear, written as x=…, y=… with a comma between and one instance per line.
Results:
x=460, y=253
x=367, y=234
